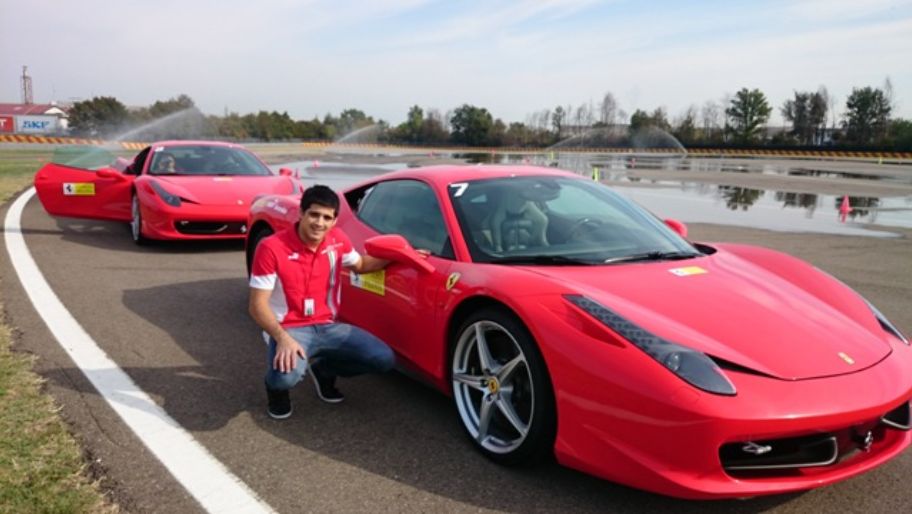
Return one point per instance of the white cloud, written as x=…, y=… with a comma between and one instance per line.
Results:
x=513, y=57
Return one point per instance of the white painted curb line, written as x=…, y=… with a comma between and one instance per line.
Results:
x=204, y=477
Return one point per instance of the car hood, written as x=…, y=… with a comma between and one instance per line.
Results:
x=732, y=309
x=224, y=190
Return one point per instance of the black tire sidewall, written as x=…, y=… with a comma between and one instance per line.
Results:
x=255, y=241
x=137, y=237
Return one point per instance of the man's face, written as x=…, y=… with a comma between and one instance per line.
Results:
x=316, y=221
x=166, y=164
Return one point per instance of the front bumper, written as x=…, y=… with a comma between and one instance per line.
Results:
x=192, y=221
x=624, y=418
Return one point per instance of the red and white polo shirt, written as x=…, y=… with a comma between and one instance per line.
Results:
x=305, y=283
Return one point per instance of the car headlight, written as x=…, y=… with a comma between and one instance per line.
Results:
x=885, y=323
x=168, y=198
x=690, y=365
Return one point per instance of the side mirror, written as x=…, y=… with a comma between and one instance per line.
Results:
x=394, y=247
x=677, y=226
x=287, y=172
x=109, y=173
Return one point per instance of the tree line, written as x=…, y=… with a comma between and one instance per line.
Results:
x=738, y=120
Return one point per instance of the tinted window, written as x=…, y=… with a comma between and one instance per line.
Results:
x=409, y=208
x=205, y=160
x=555, y=216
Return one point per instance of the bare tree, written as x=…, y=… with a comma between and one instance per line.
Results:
x=608, y=110
x=710, y=117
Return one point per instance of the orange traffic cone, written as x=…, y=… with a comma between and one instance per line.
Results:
x=844, y=208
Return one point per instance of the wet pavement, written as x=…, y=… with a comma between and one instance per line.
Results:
x=792, y=195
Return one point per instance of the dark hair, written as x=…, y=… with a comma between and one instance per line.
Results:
x=322, y=195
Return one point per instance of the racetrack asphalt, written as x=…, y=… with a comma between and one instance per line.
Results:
x=173, y=316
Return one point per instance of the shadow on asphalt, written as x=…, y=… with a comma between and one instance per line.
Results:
x=115, y=236
x=389, y=425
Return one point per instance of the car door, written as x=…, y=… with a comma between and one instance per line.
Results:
x=399, y=304
x=76, y=188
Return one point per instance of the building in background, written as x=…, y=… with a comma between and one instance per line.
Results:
x=36, y=119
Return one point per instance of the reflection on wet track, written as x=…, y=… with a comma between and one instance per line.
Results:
x=782, y=195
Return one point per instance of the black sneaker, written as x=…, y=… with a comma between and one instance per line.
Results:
x=279, y=403
x=325, y=386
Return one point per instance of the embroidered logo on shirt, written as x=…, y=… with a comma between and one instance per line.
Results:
x=331, y=247
x=294, y=256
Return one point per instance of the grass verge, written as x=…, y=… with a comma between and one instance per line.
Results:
x=42, y=468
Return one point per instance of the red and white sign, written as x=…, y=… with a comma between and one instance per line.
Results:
x=7, y=124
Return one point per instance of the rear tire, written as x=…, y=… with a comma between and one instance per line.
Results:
x=253, y=242
x=136, y=222
x=502, y=390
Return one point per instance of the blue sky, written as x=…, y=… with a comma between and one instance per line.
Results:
x=512, y=57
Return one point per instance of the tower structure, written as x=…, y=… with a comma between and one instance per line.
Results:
x=26, y=87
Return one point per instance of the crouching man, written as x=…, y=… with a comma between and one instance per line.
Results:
x=294, y=298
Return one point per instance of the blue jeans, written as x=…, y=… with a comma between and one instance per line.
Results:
x=339, y=348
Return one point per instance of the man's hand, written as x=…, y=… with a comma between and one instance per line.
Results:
x=287, y=349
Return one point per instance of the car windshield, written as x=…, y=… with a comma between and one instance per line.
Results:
x=559, y=221
x=205, y=160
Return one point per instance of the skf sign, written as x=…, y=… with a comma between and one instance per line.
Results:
x=7, y=124
x=36, y=124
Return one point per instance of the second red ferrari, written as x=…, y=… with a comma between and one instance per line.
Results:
x=171, y=190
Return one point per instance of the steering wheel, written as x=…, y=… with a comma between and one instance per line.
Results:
x=584, y=225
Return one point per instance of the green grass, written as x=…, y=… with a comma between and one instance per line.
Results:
x=42, y=468
x=18, y=167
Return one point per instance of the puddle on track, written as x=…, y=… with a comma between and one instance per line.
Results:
x=700, y=202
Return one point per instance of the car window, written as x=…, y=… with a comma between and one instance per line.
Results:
x=138, y=162
x=205, y=160
x=409, y=208
x=555, y=217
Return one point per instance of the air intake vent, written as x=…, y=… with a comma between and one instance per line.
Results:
x=215, y=228
x=899, y=417
x=796, y=452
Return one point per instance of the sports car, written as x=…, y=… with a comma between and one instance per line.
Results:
x=565, y=320
x=170, y=190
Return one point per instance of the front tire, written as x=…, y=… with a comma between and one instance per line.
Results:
x=502, y=390
x=252, y=244
x=136, y=222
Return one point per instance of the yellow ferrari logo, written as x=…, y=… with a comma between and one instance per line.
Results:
x=846, y=358
x=493, y=386
x=78, y=189
x=375, y=282
x=451, y=280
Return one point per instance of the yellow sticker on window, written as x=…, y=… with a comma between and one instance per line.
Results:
x=689, y=270
x=375, y=282
x=78, y=189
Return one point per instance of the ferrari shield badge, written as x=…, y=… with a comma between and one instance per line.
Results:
x=374, y=282
x=451, y=280
x=78, y=189
x=687, y=271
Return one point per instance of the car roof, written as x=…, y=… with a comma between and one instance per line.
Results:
x=441, y=176
x=188, y=142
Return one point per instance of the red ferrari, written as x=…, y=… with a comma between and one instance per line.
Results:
x=171, y=189
x=565, y=320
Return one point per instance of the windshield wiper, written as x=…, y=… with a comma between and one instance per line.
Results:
x=652, y=256
x=541, y=259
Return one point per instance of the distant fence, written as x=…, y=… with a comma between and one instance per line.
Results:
x=322, y=145
x=22, y=138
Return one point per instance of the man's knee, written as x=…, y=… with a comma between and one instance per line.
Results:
x=384, y=359
x=282, y=381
